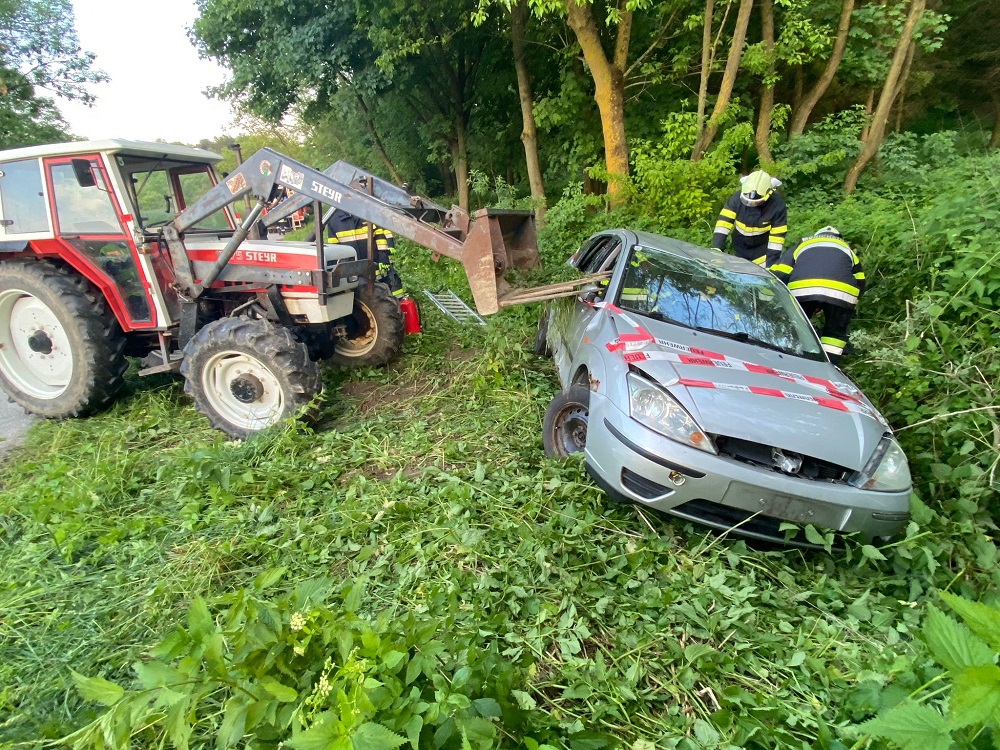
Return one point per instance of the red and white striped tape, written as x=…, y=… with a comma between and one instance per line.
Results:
x=828, y=402
x=704, y=358
x=839, y=396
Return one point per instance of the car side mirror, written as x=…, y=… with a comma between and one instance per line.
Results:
x=84, y=173
x=591, y=293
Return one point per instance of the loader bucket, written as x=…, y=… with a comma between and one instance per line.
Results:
x=498, y=240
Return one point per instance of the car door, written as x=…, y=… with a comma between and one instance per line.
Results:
x=596, y=255
x=90, y=223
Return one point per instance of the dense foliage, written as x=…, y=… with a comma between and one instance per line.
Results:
x=428, y=94
x=414, y=572
x=39, y=54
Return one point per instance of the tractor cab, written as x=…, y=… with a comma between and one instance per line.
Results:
x=98, y=206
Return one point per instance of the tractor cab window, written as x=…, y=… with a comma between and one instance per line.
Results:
x=22, y=203
x=88, y=222
x=161, y=188
x=82, y=210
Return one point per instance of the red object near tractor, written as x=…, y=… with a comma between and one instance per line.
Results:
x=118, y=248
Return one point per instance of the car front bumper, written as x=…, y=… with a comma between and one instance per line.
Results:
x=639, y=465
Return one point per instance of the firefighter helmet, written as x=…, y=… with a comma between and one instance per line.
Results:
x=829, y=231
x=757, y=188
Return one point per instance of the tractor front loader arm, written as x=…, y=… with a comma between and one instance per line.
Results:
x=487, y=243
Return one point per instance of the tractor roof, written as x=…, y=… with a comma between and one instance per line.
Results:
x=112, y=145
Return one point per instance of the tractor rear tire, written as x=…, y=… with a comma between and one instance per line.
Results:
x=564, y=429
x=61, y=349
x=246, y=375
x=375, y=330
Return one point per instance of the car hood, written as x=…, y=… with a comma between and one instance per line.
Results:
x=776, y=418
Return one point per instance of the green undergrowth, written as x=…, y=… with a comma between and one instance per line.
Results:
x=181, y=589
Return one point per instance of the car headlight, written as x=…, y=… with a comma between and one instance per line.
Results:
x=886, y=471
x=653, y=407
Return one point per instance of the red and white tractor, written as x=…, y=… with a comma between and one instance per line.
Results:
x=117, y=248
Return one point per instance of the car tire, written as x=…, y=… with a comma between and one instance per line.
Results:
x=375, y=330
x=564, y=429
x=541, y=344
x=246, y=375
x=62, y=353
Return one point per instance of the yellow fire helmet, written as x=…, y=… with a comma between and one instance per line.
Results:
x=757, y=187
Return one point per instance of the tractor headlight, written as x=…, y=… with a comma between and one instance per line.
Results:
x=656, y=409
x=886, y=471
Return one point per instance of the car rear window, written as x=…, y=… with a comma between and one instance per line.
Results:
x=696, y=294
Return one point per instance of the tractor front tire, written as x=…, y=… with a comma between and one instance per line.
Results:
x=61, y=349
x=375, y=330
x=564, y=429
x=246, y=375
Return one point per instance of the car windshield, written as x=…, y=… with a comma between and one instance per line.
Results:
x=697, y=294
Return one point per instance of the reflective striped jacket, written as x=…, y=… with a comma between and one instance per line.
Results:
x=347, y=229
x=758, y=232
x=822, y=269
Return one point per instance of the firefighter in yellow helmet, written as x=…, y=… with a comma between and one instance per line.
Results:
x=348, y=229
x=756, y=218
x=824, y=274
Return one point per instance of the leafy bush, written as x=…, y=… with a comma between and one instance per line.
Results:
x=970, y=715
x=669, y=185
x=306, y=671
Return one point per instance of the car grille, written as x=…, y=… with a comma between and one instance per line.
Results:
x=776, y=459
x=744, y=523
x=641, y=486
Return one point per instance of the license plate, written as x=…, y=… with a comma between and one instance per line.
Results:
x=785, y=507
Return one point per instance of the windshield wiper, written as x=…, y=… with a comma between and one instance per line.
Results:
x=746, y=338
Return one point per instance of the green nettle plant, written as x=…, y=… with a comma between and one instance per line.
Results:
x=305, y=671
x=959, y=706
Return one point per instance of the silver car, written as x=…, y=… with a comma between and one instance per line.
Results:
x=695, y=385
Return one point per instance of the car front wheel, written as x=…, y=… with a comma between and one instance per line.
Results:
x=564, y=429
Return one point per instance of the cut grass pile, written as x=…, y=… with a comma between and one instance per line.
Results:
x=427, y=481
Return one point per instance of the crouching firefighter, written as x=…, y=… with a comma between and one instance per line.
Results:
x=756, y=218
x=347, y=229
x=824, y=274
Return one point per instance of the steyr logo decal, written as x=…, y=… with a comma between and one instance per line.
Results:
x=328, y=192
x=290, y=177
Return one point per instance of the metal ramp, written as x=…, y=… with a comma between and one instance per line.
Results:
x=450, y=304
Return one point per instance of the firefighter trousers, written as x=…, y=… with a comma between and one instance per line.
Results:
x=836, y=324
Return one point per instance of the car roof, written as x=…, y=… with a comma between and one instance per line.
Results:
x=716, y=258
x=112, y=145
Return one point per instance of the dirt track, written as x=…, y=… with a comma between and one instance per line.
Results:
x=14, y=423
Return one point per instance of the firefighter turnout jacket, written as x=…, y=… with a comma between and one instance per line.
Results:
x=822, y=269
x=758, y=232
x=347, y=229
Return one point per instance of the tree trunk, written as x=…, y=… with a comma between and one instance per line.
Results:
x=900, y=95
x=876, y=132
x=529, y=134
x=869, y=106
x=460, y=157
x=762, y=136
x=609, y=90
x=706, y=136
x=809, y=102
x=707, y=59
x=447, y=179
x=379, y=148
